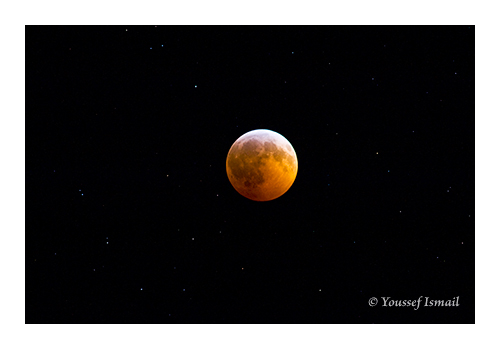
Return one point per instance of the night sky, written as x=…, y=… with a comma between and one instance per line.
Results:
x=131, y=218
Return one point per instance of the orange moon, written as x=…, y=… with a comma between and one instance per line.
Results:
x=261, y=165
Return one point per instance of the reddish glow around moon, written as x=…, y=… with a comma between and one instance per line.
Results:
x=261, y=165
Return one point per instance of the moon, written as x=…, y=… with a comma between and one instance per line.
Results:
x=261, y=165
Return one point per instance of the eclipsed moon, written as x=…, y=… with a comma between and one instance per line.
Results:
x=261, y=165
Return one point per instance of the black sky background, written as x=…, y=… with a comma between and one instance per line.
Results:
x=139, y=119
